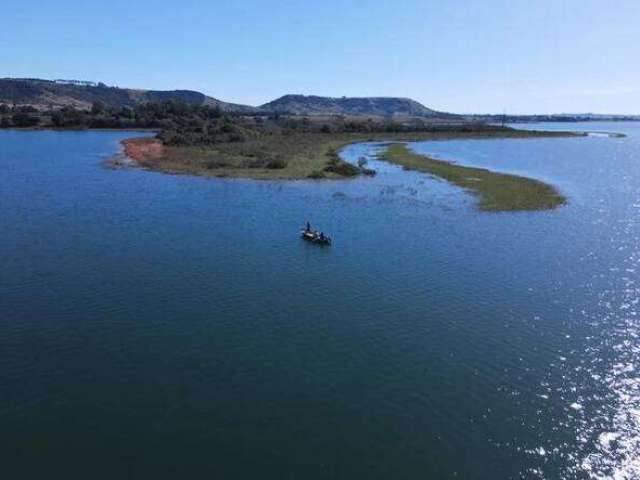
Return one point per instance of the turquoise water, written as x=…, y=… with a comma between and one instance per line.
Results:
x=159, y=326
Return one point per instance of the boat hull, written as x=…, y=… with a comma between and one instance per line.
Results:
x=313, y=237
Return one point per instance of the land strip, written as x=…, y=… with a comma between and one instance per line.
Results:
x=496, y=192
x=286, y=157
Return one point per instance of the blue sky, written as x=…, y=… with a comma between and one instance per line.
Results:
x=537, y=56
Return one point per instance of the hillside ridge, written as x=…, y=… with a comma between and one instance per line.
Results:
x=82, y=94
x=298, y=104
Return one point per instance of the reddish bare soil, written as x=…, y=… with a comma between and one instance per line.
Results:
x=143, y=149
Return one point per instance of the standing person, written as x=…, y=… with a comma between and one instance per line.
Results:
x=308, y=227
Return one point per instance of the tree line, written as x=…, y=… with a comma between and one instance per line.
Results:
x=180, y=123
x=155, y=115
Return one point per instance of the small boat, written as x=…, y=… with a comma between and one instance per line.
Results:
x=315, y=237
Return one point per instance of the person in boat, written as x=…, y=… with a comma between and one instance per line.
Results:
x=308, y=228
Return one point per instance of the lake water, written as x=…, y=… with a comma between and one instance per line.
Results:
x=159, y=326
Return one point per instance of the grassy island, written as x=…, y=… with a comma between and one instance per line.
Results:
x=497, y=192
x=288, y=153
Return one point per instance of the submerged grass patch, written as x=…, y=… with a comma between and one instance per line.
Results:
x=497, y=192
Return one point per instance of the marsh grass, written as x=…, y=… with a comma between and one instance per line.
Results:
x=497, y=192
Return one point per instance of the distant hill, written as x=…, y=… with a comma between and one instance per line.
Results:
x=44, y=94
x=374, y=106
x=59, y=93
x=81, y=94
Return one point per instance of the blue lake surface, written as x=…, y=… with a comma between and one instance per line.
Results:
x=161, y=326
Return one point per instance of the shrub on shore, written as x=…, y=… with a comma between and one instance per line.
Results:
x=342, y=168
x=24, y=120
x=277, y=163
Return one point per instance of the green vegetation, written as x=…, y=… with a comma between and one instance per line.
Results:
x=203, y=140
x=496, y=191
x=24, y=119
x=292, y=156
x=300, y=154
x=170, y=116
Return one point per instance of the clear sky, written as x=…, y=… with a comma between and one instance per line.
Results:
x=536, y=56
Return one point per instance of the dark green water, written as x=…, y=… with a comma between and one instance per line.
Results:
x=157, y=326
